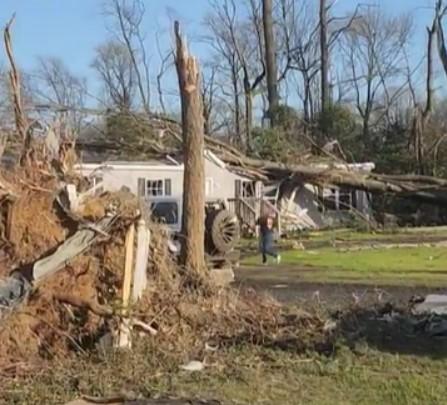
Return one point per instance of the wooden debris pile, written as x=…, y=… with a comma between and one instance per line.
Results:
x=80, y=271
x=74, y=296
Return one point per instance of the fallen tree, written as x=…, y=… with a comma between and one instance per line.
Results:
x=332, y=173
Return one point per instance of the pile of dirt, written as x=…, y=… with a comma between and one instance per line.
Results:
x=72, y=310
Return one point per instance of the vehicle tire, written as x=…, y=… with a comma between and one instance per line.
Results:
x=223, y=229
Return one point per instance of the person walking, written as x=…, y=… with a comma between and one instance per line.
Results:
x=267, y=239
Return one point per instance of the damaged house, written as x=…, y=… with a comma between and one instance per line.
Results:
x=307, y=206
x=160, y=182
x=155, y=172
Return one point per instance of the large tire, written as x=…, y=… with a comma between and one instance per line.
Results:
x=223, y=229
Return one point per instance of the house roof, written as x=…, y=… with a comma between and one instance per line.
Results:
x=163, y=162
x=146, y=163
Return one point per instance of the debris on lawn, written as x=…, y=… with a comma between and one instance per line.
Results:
x=434, y=304
x=64, y=284
x=193, y=365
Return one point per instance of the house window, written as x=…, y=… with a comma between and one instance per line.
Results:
x=154, y=188
x=337, y=199
x=329, y=200
x=346, y=202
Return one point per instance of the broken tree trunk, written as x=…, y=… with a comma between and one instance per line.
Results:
x=22, y=126
x=193, y=223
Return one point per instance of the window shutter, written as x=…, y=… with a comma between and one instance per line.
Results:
x=168, y=186
x=238, y=188
x=141, y=187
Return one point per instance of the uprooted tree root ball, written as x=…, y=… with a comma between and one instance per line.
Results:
x=73, y=310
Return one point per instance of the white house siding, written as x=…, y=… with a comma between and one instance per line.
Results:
x=223, y=181
x=115, y=176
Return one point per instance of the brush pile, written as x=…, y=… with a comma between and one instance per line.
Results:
x=68, y=273
x=78, y=305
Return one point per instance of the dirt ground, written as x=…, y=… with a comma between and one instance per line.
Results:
x=327, y=294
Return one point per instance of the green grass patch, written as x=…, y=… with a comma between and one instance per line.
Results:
x=368, y=260
x=397, y=266
x=372, y=260
x=351, y=235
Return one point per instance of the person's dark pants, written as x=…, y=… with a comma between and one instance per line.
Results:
x=267, y=248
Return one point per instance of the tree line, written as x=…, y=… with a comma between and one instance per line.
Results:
x=281, y=77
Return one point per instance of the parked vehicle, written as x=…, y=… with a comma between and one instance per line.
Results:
x=222, y=229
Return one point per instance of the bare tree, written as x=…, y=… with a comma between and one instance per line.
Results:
x=245, y=38
x=324, y=57
x=373, y=52
x=228, y=66
x=299, y=34
x=61, y=88
x=270, y=59
x=308, y=37
x=114, y=65
x=441, y=11
x=208, y=98
x=128, y=18
x=421, y=116
x=166, y=60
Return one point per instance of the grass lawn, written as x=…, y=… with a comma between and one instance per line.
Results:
x=247, y=376
x=396, y=266
x=319, y=239
x=346, y=234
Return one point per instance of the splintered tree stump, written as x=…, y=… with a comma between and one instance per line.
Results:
x=193, y=222
x=22, y=126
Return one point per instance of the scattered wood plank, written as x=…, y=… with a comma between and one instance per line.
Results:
x=72, y=247
x=142, y=255
x=125, y=327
